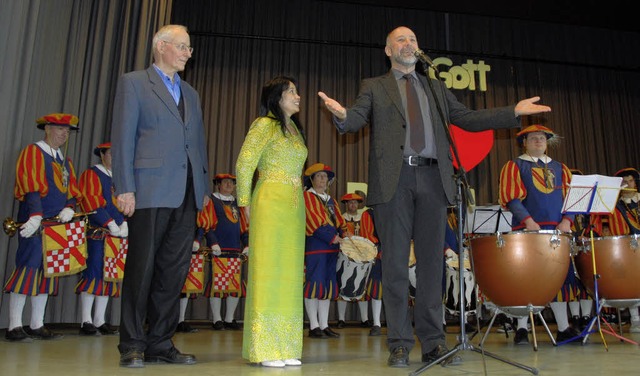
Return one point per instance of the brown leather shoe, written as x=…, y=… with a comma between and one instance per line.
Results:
x=399, y=357
x=132, y=359
x=439, y=352
x=172, y=356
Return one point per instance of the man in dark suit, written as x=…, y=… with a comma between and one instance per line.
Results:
x=411, y=184
x=160, y=174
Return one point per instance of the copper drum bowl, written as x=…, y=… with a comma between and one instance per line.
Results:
x=518, y=269
x=617, y=264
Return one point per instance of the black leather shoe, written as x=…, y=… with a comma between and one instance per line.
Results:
x=399, y=357
x=218, y=325
x=568, y=334
x=88, y=329
x=106, y=330
x=172, y=356
x=42, y=333
x=375, y=331
x=17, y=335
x=233, y=325
x=317, y=333
x=184, y=327
x=330, y=333
x=341, y=324
x=522, y=337
x=366, y=324
x=132, y=359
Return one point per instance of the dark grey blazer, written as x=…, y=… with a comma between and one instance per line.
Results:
x=151, y=144
x=380, y=105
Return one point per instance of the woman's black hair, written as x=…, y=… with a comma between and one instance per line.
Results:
x=270, y=102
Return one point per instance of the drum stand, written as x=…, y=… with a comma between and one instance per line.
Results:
x=463, y=340
x=599, y=304
x=522, y=311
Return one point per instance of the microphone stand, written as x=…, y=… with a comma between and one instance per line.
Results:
x=461, y=182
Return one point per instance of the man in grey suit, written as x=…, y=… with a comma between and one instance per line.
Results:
x=160, y=174
x=411, y=184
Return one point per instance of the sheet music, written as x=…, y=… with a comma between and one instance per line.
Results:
x=492, y=218
x=596, y=194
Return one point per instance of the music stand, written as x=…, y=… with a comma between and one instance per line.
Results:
x=594, y=194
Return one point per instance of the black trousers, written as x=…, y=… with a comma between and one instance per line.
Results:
x=160, y=241
x=417, y=211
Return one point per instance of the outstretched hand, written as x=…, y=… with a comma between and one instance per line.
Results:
x=529, y=107
x=332, y=105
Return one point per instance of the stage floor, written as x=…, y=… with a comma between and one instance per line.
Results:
x=354, y=353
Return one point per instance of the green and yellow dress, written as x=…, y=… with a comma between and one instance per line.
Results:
x=273, y=316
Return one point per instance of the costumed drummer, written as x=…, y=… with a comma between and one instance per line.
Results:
x=533, y=187
x=231, y=236
x=46, y=187
x=361, y=224
x=325, y=229
x=107, y=229
x=625, y=220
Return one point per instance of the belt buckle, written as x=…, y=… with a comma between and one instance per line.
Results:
x=411, y=158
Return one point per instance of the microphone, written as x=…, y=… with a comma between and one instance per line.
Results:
x=424, y=58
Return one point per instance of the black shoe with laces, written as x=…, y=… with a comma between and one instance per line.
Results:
x=439, y=352
x=218, y=325
x=399, y=357
x=568, y=334
x=233, y=325
x=17, y=335
x=341, y=324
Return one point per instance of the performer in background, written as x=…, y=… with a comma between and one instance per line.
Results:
x=275, y=146
x=160, y=172
x=625, y=220
x=206, y=221
x=533, y=188
x=410, y=184
x=46, y=187
x=107, y=221
x=325, y=229
x=230, y=235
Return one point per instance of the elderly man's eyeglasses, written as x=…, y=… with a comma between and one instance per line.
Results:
x=180, y=46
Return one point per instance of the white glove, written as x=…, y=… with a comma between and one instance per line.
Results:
x=215, y=250
x=245, y=251
x=195, y=247
x=31, y=226
x=66, y=215
x=124, y=229
x=114, y=230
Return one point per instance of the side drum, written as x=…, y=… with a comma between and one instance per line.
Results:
x=617, y=264
x=521, y=268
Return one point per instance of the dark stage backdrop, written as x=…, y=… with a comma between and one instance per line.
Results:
x=65, y=55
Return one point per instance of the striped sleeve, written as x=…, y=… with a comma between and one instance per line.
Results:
x=91, y=189
x=367, y=228
x=30, y=173
x=315, y=213
x=511, y=186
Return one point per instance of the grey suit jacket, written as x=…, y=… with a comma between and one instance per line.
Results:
x=380, y=105
x=151, y=144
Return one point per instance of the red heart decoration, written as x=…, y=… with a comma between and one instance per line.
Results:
x=472, y=147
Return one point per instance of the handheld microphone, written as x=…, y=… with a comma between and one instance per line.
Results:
x=424, y=58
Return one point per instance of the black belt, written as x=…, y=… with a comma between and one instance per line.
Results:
x=416, y=160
